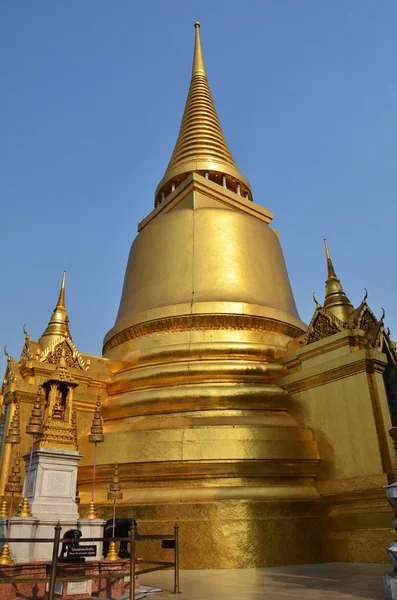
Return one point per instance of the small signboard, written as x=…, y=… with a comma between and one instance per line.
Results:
x=168, y=543
x=81, y=551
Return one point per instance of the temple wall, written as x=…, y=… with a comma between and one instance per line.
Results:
x=338, y=391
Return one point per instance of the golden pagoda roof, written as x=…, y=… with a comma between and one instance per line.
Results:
x=336, y=302
x=201, y=146
x=59, y=322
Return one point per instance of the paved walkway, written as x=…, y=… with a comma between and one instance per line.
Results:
x=332, y=581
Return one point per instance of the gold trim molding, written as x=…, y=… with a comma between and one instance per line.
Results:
x=205, y=322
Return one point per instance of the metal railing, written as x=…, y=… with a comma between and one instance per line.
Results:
x=132, y=538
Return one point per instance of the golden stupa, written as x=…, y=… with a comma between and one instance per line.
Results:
x=266, y=439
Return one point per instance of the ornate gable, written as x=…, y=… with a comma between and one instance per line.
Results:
x=322, y=325
x=367, y=320
x=53, y=353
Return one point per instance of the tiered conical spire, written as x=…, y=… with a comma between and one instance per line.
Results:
x=59, y=322
x=13, y=436
x=201, y=146
x=14, y=485
x=336, y=301
x=36, y=416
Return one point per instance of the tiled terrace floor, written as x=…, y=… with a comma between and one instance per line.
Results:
x=333, y=581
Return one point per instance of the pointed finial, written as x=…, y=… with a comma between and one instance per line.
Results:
x=61, y=297
x=330, y=266
x=198, y=58
x=27, y=336
x=383, y=315
x=336, y=301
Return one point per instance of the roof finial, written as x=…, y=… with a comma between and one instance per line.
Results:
x=198, y=58
x=59, y=322
x=330, y=266
x=336, y=301
x=61, y=298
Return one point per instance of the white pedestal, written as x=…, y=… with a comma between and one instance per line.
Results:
x=53, y=485
x=22, y=527
x=92, y=528
x=45, y=529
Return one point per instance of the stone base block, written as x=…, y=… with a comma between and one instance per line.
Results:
x=23, y=527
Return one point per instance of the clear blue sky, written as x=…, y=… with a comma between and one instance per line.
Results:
x=91, y=99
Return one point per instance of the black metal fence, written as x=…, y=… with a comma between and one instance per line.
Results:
x=133, y=538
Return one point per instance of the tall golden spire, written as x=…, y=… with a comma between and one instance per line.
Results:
x=201, y=146
x=59, y=322
x=336, y=301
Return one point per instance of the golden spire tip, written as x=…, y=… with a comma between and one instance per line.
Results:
x=61, y=298
x=198, y=58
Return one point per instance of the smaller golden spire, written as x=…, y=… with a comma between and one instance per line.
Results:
x=97, y=436
x=115, y=492
x=14, y=485
x=14, y=430
x=201, y=146
x=336, y=301
x=59, y=322
x=4, y=509
x=5, y=556
x=35, y=420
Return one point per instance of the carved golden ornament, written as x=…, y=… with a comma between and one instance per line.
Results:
x=322, y=328
x=97, y=436
x=14, y=433
x=3, y=509
x=112, y=554
x=24, y=509
x=5, y=556
x=226, y=322
x=115, y=487
x=57, y=434
x=57, y=409
x=367, y=321
x=55, y=357
x=35, y=420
